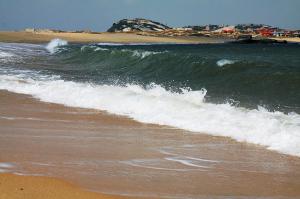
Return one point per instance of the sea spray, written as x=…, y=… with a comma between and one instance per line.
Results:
x=5, y=54
x=54, y=43
x=224, y=62
x=186, y=110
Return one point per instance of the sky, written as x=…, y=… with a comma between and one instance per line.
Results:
x=98, y=15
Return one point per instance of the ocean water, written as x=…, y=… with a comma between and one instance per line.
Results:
x=250, y=93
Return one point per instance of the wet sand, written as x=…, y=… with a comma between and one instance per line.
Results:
x=37, y=187
x=115, y=155
x=44, y=37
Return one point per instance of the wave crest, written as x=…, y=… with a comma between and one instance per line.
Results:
x=154, y=104
x=224, y=62
x=5, y=54
x=140, y=53
x=54, y=43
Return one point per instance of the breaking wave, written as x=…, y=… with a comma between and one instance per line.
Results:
x=133, y=53
x=177, y=85
x=5, y=54
x=54, y=43
x=140, y=53
x=154, y=104
x=224, y=62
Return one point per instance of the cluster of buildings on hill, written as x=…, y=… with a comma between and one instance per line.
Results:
x=148, y=27
x=252, y=29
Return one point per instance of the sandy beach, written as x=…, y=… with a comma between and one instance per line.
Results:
x=35, y=187
x=136, y=99
x=115, y=155
x=44, y=37
x=292, y=40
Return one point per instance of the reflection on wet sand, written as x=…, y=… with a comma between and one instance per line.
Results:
x=111, y=154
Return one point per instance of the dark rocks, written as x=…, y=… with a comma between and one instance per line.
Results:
x=129, y=25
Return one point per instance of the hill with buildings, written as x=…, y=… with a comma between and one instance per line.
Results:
x=152, y=28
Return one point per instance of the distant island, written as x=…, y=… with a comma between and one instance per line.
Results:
x=141, y=30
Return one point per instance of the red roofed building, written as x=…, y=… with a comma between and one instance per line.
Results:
x=266, y=32
x=228, y=30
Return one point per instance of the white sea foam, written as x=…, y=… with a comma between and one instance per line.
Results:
x=224, y=62
x=111, y=44
x=187, y=162
x=188, y=157
x=5, y=54
x=154, y=164
x=140, y=53
x=187, y=110
x=12, y=52
x=145, y=53
x=6, y=165
x=93, y=47
x=101, y=49
x=6, y=57
x=54, y=43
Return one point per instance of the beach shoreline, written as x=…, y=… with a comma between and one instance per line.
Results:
x=290, y=40
x=107, y=37
x=44, y=37
x=111, y=154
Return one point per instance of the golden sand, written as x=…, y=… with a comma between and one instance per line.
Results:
x=36, y=187
x=43, y=37
x=91, y=149
x=294, y=39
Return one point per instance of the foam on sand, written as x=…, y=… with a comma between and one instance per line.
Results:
x=187, y=162
x=6, y=167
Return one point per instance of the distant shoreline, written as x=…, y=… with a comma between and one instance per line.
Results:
x=44, y=37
